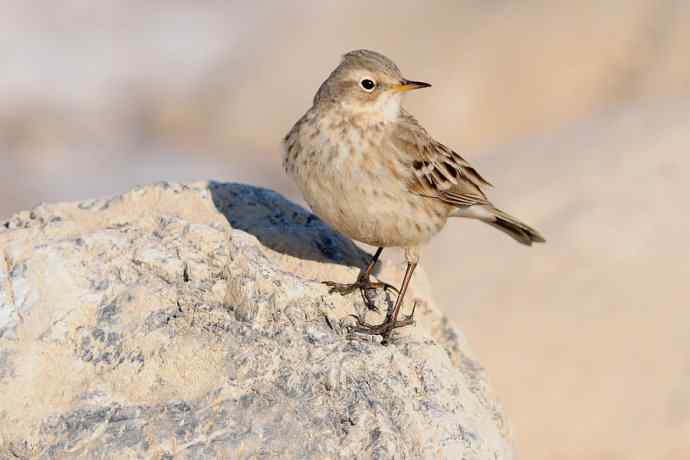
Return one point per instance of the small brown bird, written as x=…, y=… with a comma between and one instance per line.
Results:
x=371, y=171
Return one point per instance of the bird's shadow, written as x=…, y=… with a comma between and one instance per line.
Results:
x=284, y=226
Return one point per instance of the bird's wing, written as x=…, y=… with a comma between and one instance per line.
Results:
x=438, y=172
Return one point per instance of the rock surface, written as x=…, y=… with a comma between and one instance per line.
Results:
x=188, y=321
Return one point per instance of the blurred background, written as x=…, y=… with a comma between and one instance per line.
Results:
x=578, y=111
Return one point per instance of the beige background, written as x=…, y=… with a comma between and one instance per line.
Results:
x=579, y=112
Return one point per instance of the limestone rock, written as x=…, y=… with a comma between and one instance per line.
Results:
x=189, y=321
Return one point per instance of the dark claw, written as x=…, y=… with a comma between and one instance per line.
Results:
x=410, y=317
x=384, y=329
x=364, y=284
x=387, y=286
x=340, y=288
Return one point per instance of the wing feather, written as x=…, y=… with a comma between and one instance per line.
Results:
x=438, y=171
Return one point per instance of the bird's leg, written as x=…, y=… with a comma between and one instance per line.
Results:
x=363, y=283
x=384, y=329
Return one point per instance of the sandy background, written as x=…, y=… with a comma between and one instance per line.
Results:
x=578, y=111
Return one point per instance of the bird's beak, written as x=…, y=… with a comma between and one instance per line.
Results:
x=409, y=85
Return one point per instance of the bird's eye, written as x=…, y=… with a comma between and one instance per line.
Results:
x=367, y=85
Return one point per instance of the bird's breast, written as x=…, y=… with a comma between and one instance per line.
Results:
x=355, y=183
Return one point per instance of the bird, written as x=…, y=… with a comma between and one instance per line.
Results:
x=372, y=172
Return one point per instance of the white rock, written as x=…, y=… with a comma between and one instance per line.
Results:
x=190, y=322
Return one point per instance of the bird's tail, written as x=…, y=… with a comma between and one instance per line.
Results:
x=520, y=232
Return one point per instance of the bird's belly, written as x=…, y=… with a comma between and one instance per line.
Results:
x=372, y=209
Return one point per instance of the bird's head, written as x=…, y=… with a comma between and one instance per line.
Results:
x=366, y=82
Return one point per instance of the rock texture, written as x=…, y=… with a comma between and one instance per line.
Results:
x=188, y=321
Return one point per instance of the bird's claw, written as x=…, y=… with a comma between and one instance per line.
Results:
x=384, y=329
x=340, y=288
x=365, y=285
x=410, y=317
x=347, y=288
x=385, y=287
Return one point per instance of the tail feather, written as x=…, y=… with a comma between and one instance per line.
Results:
x=520, y=232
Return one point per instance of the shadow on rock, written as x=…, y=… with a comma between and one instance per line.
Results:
x=284, y=226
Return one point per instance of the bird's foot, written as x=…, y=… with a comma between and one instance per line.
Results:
x=348, y=288
x=384, y=329
x=365, y=286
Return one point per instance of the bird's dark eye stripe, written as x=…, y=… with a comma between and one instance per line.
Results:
x=367, y=84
